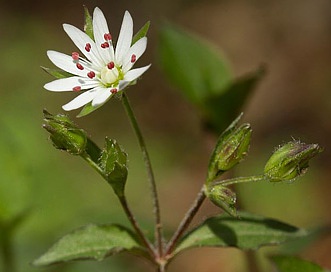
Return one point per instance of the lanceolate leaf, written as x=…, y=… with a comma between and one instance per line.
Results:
x=192, y=64
x=88, y=25
x=87, y=109
x=248, y=232
x=295, y=264
x=57, y=73
x=141, y=33
x=94, y=242
x=220, y=108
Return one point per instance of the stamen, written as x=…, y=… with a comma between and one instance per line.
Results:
x=107, y=37
x=111, y=65
x=114, y=91
x=91, y=74
x=75, y=55
x=133, y=58
x=105, y=45
x=79, y=66
x=88, y=47
x=76, y=89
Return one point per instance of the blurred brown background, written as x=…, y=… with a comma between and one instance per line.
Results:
x=293, y=39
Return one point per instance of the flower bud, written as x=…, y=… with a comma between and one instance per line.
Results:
x=64, y=134
x=290, y=161
x=231, y=148
x=222, y=197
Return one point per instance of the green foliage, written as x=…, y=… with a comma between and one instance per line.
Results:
x=57, y=73
x=141, y=33
x=88, y=25
x=203, y=76
x=94, y=242
x=220, y=108
x=249, y=232
x=295, y=264
x=113, y=162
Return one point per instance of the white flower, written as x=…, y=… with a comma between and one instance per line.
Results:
x=105, y=70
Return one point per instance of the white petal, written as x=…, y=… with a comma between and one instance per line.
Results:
x=137, y=49
x=135, y=73
x=65, y=63
x=67, y=84
x=80, y=100
x=80, y=39
x=101, y=97
x=124, y=39
x=100, y=28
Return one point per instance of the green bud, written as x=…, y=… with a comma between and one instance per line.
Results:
x=113, y=162
x=222, y=197
x=64, y=134
x=231, y=148
x=290, y=161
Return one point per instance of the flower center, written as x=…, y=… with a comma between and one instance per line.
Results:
x=110, y=75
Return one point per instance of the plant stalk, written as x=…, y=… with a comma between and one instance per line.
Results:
x=126, y=209
x=135, y=225
x=186, y=221
x=157, y=214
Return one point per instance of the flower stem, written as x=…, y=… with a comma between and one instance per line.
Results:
x=186, y=221
x=135, y=225
x=126, y=209
x=227, y=182
x=157, y=214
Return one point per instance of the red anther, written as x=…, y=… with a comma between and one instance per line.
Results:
x=133, y=58
x=76, y=89
x=75, y=55
x=79, y=66
x=113, y=91
x=91, y=74
x=88, y=47
x=107, y=37
x=111, y=65
x=105, y=45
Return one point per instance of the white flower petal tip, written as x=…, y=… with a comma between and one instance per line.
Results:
x=98, y=69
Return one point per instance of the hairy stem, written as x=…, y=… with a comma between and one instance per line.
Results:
x=126, y=209
x=135, y=225
x=186, y=221
x=7, y=253
x=157, y=214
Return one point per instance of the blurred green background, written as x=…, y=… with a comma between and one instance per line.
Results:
x=60, y=192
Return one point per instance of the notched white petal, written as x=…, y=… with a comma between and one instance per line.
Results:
x=64, y=62
x=82, y=40
x=124, y=39
x=135, y=73
x=79, y=101
x=67, y=84
x=100, y=28
x=102, y=97
x=136, y=50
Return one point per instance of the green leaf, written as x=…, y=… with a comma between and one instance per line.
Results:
x=248, y=232
x=220, y=108
x=192, y=64
x=57, y=73
x=87, y=109
x=88, y=25
x=141, y=33
x=113, y=162
x=94, y=242
x=93, y=150
x=294, y=264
